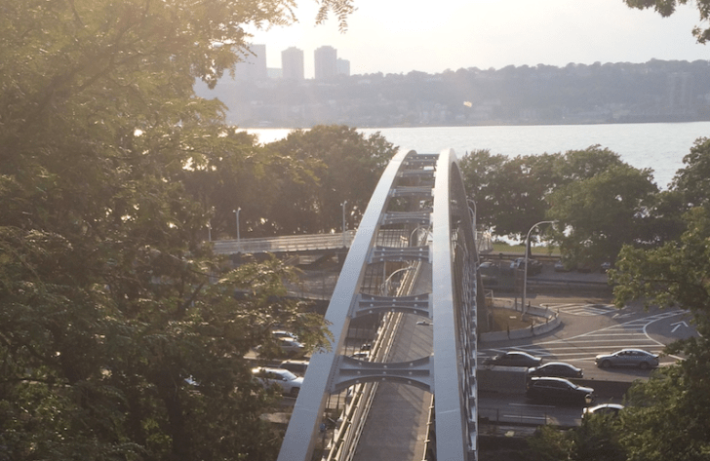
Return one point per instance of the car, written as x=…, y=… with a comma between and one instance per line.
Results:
x=514, y=359
x=563, y=266
x=291, y=348
x=488, y=267
x=289, y=383
x=297, y=367
x=284, y=334
x=627, y=358
x=361, y=355
x=553, y=389
x=611, y=409
x=558, y=369
x=604, y=267
x=535, y=266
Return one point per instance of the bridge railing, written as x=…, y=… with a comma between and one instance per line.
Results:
x=285, y=244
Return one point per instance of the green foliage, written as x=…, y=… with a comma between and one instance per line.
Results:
x=597, y=439
x=667, y=7
x=509, y=193
x=692, y=181
x=601, y=208
x=326, y=166
x=666, y=418
x=599, y=202
x=550, y=444
x=120, y=336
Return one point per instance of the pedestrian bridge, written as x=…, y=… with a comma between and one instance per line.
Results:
x=412, y=263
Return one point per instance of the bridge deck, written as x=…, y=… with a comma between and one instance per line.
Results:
x=397, y=425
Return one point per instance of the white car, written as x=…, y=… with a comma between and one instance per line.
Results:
x=289, y=383
x=291, y=348
x=611, y=409
x=284, y=334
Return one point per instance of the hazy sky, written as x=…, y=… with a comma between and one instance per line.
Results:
x=398, y=36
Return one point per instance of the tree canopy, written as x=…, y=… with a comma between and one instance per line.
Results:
x=120, y=335
x=667, y=7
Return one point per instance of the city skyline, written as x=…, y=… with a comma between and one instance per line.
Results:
x=292, y=64
x=393, y=37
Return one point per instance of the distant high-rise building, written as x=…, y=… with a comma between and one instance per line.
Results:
x=680, y=91
x=253, y=67
x=292, y=63
x=343, y=66
x=326, y=58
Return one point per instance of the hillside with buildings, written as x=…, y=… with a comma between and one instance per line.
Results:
x=655, y=91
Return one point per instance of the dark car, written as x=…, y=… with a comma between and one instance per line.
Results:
x=558, y=390
x=557, y=369
x=628, y=358
x=534, y=266
x=514, y=359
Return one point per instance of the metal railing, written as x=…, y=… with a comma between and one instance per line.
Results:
x=285, y=244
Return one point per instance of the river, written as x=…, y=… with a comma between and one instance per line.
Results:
x=658, y=146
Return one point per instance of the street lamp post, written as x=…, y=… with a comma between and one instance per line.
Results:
x=525, y=269
x=343, y=205
x=236, y=212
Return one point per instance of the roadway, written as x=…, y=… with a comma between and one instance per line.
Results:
x=590, y=326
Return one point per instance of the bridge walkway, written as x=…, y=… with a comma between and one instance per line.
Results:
x=396, y=427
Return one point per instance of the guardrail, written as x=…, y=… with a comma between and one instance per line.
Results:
x=285, y=244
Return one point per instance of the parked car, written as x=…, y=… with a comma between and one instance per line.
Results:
x=611, y=409
x=628, y=358
x=605, y=266
x=558, y=369
x=514, y=359
x=284, y=334
x=563, y=266
x=291, y=348
x=289, y=383
x=297, y=367
x=558, y=390
x=535, y=266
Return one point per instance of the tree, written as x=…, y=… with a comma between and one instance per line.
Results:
x=667, y=7
x=666, y=417
x=669, y=414
x=693, y=180
x=596, y=439
x=602, y=204
x=333, y=164
x=509, y=193
x=114, y=342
